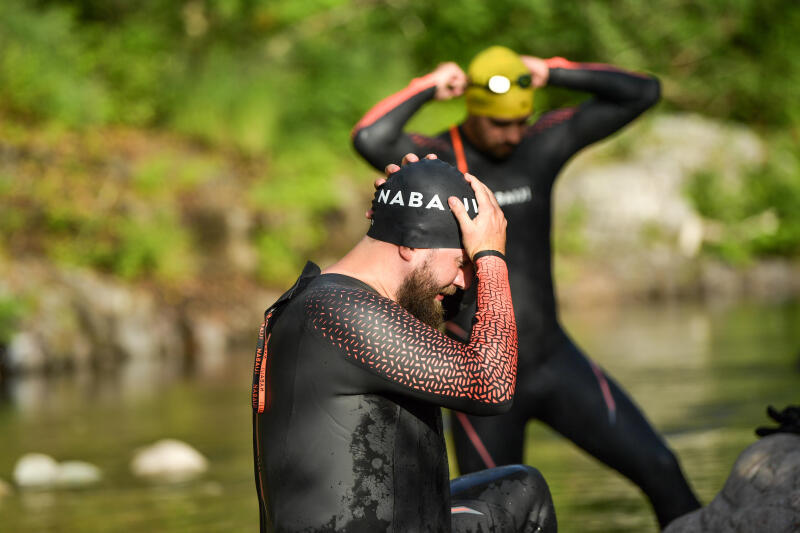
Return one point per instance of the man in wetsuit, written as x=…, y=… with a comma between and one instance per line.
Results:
x=351, y=374
x=557, y=384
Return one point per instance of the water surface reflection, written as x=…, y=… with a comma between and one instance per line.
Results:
x=702, y=374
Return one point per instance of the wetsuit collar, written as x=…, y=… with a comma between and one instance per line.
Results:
x=333, y=276
x=310, y=271
x=467, y=142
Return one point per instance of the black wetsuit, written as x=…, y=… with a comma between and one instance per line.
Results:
x=347, y=428
x=557, y=384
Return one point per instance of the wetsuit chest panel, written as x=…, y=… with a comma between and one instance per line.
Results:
x=356, y=458
x=425, y=477
x=522, y=184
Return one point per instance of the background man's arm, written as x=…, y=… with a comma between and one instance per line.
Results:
x=618, y=98
x=379, y=137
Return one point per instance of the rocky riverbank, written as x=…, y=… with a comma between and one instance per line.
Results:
x=78, y=320
x=624, y=229
x=625, y=226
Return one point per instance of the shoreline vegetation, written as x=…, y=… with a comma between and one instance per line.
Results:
x=166, y=169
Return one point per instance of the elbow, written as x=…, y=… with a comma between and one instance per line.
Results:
x=501, y=408
x=373, y=145
x=360, y=139
x=651, y=92
x=367, y=143
x=493, y=401
x=488, y=409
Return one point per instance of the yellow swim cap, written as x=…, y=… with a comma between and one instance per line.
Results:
x=494, y=85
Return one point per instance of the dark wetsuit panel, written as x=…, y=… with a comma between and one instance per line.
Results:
x=558, y=384
x=502, y=499
x=347, y=394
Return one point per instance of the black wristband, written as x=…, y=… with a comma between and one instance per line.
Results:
x=484, y=253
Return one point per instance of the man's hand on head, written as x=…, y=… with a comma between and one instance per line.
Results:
x=540, y=72
x=487, y=231
x=391, y=168
x=451, y=81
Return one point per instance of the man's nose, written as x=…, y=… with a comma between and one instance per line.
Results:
x=461, y=279
x=513, y=135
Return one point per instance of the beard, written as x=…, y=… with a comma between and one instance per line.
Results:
x=417, y=295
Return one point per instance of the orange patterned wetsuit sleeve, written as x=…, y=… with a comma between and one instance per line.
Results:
x=403, y=355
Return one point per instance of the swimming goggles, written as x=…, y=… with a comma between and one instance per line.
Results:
x=499, y=84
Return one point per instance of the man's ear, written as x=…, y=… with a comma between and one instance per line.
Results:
x=406, y=253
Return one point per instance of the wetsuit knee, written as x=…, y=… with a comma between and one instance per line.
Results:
x=541, y=516
x=534, y=478
x=511, y=497
x=659, y=463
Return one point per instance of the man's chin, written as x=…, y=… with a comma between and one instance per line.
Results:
x=418, y=295
x=431, y=313
x=502, y=152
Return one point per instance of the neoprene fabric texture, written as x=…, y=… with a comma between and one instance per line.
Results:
x=411, y=209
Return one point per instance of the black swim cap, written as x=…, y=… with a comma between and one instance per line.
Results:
x=411, y=209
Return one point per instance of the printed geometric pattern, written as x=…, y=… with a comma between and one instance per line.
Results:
x=387, y=340
x=560, y=62
x=550, y=119
x=430, y=143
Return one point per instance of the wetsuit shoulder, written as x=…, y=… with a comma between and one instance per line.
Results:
x=400, y=354
x=617, y=97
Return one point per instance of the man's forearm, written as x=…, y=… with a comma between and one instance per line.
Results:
x=604, y=81
x=378, y=137
x=494, y=335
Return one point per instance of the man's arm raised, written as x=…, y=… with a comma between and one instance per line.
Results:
x=379, y=137
x=402, y=355
x=619, y=97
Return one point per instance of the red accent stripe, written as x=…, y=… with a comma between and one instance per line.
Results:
x=458, y=148
x=611, y=405
x=553, y=118
x=259, y=360
x=560, y=62
x=416, y=86
x=261, y=501
x=476, y=440
x=263, y=393
x=263, y=399
x=464, y=509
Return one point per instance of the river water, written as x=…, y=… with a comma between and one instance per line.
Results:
x=703, y=374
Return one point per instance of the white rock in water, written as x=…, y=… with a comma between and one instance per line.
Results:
x=78, y=474
x=25, y=352
x=169, y=459
x=36, y=470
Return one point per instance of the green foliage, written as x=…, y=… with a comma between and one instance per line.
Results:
x=758, y=214
x=228, y=102
x=12, y=311
x=296, y=198
x=130, y=246
x=570, y=238
x=145, y=62
x=284, y=81
x=45, y=70
x=76, y=215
